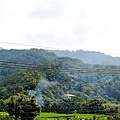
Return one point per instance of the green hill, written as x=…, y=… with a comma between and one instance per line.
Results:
x=49, y=78
x=90, y=57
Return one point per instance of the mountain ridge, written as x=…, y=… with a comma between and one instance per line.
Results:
x=90, y=57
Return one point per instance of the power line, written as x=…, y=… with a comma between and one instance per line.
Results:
x=43, y=46
x=5, y=64
x=30, y=45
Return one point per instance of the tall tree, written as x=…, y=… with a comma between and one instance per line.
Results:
x=23, y=107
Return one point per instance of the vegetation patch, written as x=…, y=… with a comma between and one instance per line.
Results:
x=56, y=115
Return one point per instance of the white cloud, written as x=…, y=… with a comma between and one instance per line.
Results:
x=68, y=24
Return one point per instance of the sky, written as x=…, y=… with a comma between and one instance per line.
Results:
x=92, y=25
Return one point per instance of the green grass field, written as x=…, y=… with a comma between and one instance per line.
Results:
x=56, y=116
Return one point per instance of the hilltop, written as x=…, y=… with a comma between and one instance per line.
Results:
x=90, y=57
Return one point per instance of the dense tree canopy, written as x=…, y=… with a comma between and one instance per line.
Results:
x=23, y=107
x=49, y=77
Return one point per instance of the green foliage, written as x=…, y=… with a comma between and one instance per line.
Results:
x=5, y=116
x=94, y=107
x=19, y=83
x=22, y=70
x=23, y=107
x=65, y=105
x=114, y=117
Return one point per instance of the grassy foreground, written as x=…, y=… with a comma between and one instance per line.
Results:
x=56, y=116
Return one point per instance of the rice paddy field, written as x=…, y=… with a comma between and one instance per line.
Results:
x=56, y=116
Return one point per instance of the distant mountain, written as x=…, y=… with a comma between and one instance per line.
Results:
x=90, y=57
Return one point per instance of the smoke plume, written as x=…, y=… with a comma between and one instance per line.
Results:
x=38, y=92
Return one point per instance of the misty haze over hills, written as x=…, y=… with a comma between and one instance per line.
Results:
x=90, y=57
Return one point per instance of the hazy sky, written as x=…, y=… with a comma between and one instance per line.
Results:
x=92, y=25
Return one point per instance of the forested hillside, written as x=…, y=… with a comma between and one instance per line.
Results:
x=53, y=80
x=90, y=57
x=32, y=56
